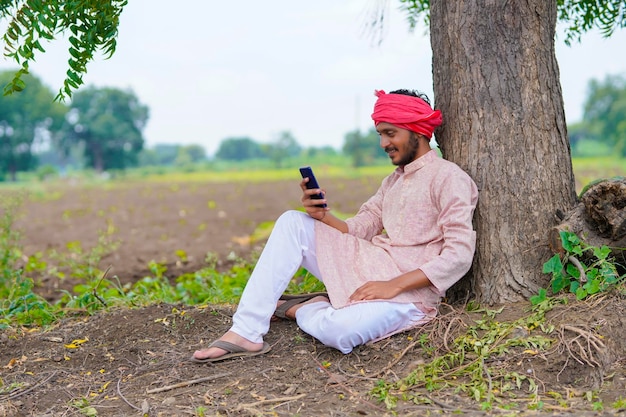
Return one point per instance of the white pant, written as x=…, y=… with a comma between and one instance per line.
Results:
x=290, y=246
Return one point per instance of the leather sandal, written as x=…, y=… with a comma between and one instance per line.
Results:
x=293, y=300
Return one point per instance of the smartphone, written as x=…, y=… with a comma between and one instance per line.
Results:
x=307, y=172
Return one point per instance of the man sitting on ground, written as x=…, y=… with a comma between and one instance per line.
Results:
x=386, y=268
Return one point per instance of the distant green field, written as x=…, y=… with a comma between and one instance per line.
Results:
x=259, y=175
x=589, y=169
x=585, y=170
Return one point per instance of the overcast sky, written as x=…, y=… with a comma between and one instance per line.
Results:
x=209, y=70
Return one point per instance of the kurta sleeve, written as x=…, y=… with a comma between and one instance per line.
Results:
x=456, y=194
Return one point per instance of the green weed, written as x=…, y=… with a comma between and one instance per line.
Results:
x=619, y=404
x=201, y=411
x=18, y=303
x=83, y=407
x=583, y=270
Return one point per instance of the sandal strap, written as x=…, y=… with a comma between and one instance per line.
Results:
x=281, y=310
x=227, y=346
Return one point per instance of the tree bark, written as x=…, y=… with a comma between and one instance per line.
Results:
x=599, y=219
x=496, y=81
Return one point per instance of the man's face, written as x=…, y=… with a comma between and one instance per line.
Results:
x=400, y=144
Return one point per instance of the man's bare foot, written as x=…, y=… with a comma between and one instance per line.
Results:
x=291, y=312
x=214, y=352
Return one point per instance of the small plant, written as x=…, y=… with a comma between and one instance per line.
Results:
x=7, y=389
x=82, y=263
x=619, y=404
x=17, y=301
x=83, y=407
x=583, y=270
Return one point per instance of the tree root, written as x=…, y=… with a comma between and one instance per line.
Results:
x=585, y=348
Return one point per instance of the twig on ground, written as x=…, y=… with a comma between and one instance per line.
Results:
x=447, y=332
x=187, y=383
x=351, y=375
x=271, y=400
x=562, y=368
x=119, y=392
x=95, y=290
x=22, y=392
x=439, y=403
x=395, y=361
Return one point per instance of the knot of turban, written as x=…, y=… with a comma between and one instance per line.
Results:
x=407, y=112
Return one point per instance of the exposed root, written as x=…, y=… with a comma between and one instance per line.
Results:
x=585, y=347
x=442, y=329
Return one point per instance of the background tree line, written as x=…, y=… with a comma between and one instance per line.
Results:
x=602, y=131
x=102, y=129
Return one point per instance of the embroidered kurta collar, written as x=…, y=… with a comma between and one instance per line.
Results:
x=418, y=163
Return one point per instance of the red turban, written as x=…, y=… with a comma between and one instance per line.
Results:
x=407, y=112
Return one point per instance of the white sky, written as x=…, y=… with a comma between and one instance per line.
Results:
x=209, y=70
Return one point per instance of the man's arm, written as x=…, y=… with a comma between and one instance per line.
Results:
x=335, y=222
x=384, y=290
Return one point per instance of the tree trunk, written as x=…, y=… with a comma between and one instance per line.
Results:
x=96, y=156
x=13, y=172
x=496, y=81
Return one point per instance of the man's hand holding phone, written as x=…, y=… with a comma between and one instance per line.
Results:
x=313, y=198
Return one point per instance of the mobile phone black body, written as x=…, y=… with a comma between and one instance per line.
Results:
x=307, y=172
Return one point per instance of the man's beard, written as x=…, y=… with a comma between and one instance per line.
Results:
x=411, y=152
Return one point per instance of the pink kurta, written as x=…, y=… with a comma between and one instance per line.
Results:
x=420, y=218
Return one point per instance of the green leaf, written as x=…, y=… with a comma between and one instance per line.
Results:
x=74, y=78
x=541, y=296
x=569, y=240
x=74, y=52
x=37, y=45
x=75, y=42
x=601, y=253
x=553, y=265
x=558, y=283
x=18, y=84
x=573, y=271
x=593, y=286
x=609, y=274
x=13, y=33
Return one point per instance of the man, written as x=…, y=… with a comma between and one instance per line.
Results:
x=386, y=268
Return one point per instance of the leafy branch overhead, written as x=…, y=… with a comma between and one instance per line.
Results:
x=92, y=25
x=578, y=16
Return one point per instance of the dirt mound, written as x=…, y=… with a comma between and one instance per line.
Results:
x=126, y=362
